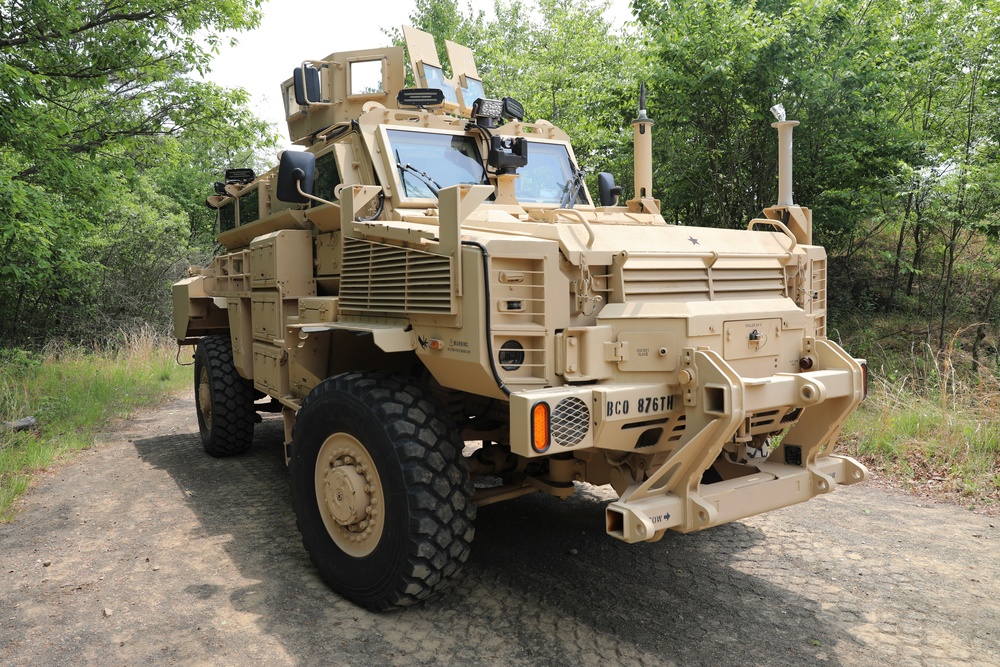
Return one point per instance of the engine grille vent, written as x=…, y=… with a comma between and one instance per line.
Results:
x=665, y=278
x=570, y=422
x=388, y=279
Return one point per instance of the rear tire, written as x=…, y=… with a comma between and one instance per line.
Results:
x=224, y=400
x=380, y=489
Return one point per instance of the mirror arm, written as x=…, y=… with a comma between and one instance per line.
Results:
x=298, y=186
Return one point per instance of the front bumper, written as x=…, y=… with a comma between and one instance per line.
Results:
x=691, y=421
x=777, y=485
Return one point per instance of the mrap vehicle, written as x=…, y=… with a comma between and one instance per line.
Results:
x=445, y=319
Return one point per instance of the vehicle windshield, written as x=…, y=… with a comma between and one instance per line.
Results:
x=427, y=162
x=548, y=177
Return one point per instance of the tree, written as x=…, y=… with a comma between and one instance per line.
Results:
x=96, y=105
x=83, y=76
x=723, y=64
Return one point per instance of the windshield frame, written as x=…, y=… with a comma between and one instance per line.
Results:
x=385, y=146
x=574, y=164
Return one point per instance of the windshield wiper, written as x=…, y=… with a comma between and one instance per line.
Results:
x=422, y=176
x=571, y=189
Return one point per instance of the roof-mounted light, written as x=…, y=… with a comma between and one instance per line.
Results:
x=420, y=97
x=486, y=111
x=512, y=109
x=240, y=176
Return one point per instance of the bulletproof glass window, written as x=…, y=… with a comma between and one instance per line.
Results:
x=227, y=216
x=548, y=176
x=249, y=206
x=435, y=79
x=327, y=176
x=427, y=162
x=473, y=91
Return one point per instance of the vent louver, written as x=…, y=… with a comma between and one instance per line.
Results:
x=388, y=279
x=674, y=279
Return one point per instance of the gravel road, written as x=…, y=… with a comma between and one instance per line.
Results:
x=145, y=551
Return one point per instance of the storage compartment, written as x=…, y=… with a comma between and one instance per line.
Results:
x=269, y=369
x=270, y=313
x=317, y=309
x=283, y=260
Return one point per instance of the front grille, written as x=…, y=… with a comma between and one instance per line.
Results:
x=570, y=422
x=665, y=278
x=388, y=279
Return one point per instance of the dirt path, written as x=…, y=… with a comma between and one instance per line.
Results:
x=146, y=551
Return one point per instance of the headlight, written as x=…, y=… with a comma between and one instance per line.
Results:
x=511, y=355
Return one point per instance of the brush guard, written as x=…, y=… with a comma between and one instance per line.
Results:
x=718, y=401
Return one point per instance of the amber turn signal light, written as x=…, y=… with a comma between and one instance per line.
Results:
x=540, y=427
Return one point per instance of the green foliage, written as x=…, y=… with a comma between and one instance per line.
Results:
x=722, y=64
x=81, y=76
x=106, y=148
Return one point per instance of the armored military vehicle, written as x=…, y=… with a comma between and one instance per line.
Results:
x=445, y=319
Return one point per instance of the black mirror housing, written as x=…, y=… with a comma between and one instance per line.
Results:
x=296, y=167
x=306, y=82
x=607, y=192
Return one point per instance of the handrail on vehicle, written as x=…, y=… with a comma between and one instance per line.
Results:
x=779, y=225
x=551, y=217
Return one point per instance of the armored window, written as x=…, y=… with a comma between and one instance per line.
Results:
x=473, y=92
x=548, y=176
x=327, y=176
x=435, y=79
x=227, y=216
x=249, y=206
x=427, y=162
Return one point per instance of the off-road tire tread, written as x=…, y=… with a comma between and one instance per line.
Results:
x=232, y=411
x=439, y=490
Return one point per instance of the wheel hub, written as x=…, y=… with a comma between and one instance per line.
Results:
x=349, y=494
x=346, y=494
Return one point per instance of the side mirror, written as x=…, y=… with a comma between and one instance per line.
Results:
x=306, y=82
x=607, y=191
x=296, y=169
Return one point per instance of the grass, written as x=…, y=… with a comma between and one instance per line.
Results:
x=73, y=394
x=931, y=424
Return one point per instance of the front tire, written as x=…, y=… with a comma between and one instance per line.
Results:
x=224, y=400
x=380, y=489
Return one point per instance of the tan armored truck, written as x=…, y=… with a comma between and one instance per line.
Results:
x=445, y=319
